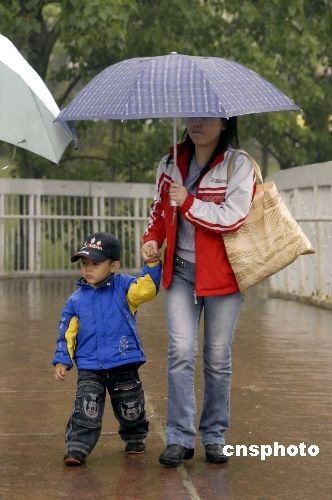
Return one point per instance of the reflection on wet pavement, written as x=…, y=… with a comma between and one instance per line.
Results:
x=281, y=392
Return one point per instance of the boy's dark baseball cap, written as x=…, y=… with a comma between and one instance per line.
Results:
x=98, y=247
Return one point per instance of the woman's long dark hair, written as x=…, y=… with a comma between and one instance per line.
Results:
x=228, y=137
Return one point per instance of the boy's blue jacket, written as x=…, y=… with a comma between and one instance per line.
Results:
x=98, y=328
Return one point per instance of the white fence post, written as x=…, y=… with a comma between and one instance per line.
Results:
x=102, y=213
x=2, y=233
x=31, y=234
x=95, y=214
x=38, y=233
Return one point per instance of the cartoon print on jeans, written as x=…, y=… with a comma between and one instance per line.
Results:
x=131, y=410
x=90, y=405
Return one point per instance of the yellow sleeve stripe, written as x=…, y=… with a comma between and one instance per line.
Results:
x=141, y=291
x=70, y=335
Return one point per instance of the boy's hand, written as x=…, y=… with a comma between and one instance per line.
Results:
x=60, y=372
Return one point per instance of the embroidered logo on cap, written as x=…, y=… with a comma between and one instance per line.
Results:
x=93, y=244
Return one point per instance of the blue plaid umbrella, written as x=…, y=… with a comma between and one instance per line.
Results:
x=173, y=86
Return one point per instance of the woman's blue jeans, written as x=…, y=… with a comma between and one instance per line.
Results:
x=183, y=316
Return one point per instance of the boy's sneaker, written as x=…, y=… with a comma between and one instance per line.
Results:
x=135, y=447
x=73, y=459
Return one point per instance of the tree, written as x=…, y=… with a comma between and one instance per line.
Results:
x=288, y=43
x=70, y=41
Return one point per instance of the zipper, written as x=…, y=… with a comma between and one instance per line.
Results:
x=174, y=215
x=199, y=180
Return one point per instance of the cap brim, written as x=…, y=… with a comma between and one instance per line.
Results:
x=89, y=253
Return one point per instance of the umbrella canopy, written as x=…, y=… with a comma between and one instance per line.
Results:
x=27, y=108
x=175, y=85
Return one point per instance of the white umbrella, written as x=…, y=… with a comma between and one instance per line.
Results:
x=27, y=108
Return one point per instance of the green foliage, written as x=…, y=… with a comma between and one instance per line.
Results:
x=70, y=41
x=288, y=43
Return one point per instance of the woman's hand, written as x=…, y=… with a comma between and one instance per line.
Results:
x=177, y=193
x=150, y=251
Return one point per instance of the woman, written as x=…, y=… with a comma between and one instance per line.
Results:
x=198, y=276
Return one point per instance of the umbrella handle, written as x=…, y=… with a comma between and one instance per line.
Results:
x=172, y=202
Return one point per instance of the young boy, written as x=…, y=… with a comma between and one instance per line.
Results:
x=98, y=331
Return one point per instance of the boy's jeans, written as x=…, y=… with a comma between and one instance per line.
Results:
x=183, y=315
x=127, y=397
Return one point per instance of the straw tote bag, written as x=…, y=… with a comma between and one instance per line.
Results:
x=269, y=239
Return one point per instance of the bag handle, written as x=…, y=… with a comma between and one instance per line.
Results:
x=231, y=161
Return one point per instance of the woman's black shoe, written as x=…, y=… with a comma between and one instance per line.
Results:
x=215, y=453
x=174, y=455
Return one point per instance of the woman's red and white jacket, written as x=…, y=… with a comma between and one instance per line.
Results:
x=218, y=207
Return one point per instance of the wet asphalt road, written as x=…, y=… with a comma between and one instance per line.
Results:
x=281, y=392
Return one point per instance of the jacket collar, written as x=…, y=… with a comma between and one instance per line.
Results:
x=106, y=282
x=183, y=159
